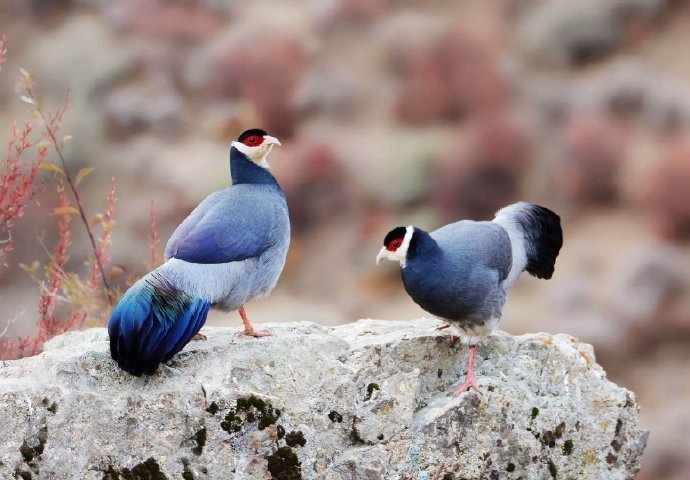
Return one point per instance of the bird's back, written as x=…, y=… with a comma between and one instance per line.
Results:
x=457, y=271
x=232, y=247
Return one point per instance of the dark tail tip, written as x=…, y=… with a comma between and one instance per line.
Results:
x=544, y=239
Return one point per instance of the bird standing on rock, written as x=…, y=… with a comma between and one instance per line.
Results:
x=462, y=272
x=229, y=250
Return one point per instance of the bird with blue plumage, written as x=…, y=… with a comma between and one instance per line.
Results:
x=229, y=250
x=461, y=272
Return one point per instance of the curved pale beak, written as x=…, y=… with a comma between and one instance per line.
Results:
x=382, y=254
x=269, y=140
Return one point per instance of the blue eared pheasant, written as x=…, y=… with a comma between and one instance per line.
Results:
x=462, y=272
x=229, y=250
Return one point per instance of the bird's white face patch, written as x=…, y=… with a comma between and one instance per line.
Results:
x=259, y=153
x=399, y=254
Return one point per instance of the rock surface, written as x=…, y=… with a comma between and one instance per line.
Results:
x=367, y=400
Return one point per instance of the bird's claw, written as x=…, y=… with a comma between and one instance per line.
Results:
x=443, y=327
x=255, y=332
x=466, y=385
x=200, y=336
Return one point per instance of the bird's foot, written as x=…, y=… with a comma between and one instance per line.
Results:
x=466, y=385
x=255, y=332
x=200, y=336
x=443, y=327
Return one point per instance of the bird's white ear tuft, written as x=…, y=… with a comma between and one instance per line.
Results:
x=400, y=254
x=258, y=154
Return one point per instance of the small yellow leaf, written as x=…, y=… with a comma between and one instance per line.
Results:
x=51, y=167
x=30, y=268
x=45, y=143
x=116, y=271
x=98, y=218
x=82, y=174
x=66, y=211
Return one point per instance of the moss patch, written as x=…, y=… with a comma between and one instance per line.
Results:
x=200, y=439
x=295, y=438
x=147, y=470
x=22, y=475
x=552, y=469
x=567, y=447
x=370, y=390
x=548, y=437
x=335, y=417
x=354, y=434
x=250, y=409
x=187, y=473
x=284, y=464
x=50, y=406
x=212, y=408
x=30, y=452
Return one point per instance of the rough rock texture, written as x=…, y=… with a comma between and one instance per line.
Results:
x=367, y=400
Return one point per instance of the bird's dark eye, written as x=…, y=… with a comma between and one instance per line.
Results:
x=253, y=140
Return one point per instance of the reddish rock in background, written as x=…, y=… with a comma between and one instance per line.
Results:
x=318, y=189
x=262, y=67
x=483, y=172
x=169, y=20
x=593, y=151
x=666, y=198
x=456, y=75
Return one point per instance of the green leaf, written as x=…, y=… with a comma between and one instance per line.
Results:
x=83, y=173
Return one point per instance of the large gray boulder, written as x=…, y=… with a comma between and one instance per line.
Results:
x=368, y=400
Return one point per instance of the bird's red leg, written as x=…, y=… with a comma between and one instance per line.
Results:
x=199, y=336
x=249, y=329
x=469, y=378
x=443, y=327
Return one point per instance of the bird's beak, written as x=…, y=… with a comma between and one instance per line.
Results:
x=382, y=254
x=269, y=140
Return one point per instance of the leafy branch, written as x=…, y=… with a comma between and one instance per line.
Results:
x=50, y=126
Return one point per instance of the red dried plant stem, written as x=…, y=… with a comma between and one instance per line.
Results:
x=47, y=326
x=16, y=183
x=3, y=49
x=105, y=240
x=51, y=125
x=153, y=235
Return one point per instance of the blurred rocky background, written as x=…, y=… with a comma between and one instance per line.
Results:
x=396, y=112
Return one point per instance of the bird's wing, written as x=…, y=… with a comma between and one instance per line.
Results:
x=477, y=243
x=229, y=226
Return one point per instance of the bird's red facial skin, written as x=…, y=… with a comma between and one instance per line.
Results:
x=394, y=244
x=253, y=141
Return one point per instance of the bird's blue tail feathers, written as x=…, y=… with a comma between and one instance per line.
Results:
x=152, y=322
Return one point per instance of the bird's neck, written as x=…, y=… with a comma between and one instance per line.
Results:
x=421, y=244
x=243, y=170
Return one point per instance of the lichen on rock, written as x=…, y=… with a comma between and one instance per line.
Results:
x=363, y=400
